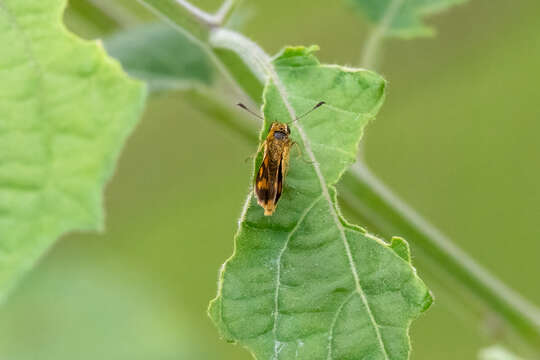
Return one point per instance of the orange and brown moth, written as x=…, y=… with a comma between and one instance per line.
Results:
x=275, y=163
x=271, y=174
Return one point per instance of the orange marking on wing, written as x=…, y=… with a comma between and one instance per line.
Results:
x=262, y=184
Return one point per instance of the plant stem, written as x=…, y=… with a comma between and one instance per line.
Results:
x=208, y=103
x=365, y=194
x=225, y=11
x=373, y=42
x=91, y=18
x=372, y=200
x=204, y=18
x=117, y=12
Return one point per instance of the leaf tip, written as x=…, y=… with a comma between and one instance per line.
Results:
x=293, y=56
x=401, y=248
x=427, y=301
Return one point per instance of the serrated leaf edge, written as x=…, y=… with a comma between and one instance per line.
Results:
x=339, y=220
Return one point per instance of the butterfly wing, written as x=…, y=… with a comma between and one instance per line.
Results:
x=268, y=184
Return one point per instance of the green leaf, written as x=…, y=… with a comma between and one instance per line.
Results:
x=162, y=56
x=304, y=283
x=400, y=246
x=67, y=109
x=403, y=18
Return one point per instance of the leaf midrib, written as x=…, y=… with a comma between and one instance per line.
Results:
x=324, y=189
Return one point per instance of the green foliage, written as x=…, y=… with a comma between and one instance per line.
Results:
x=304, y=283
x=405, y=16
x=66, y=111
x=162, y=56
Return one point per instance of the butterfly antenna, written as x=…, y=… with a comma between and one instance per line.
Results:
x=249, y=111
x=309, y=111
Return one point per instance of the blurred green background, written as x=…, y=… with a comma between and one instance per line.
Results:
x=457, y=139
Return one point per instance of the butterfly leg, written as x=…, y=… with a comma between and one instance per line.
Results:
x=252, y=156
x=300, y=153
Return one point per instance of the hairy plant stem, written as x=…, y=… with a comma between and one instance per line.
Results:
x=116, y=12
x=369, y=198
x=366, y=195
x=373, y=42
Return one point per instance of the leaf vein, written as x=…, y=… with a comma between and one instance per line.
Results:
x=278, y=273
x=41, y=103
x=334, y=322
